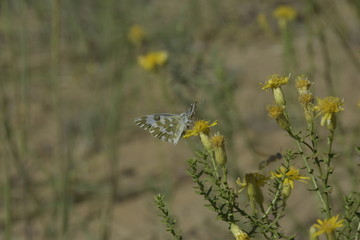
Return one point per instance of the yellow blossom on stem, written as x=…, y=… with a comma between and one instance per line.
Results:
x=153, y=60
x=302, y=83
x=328, y=106
x=306, y=98
x=290, y=175
x=201, y=128
x=275, y=82
x=328, y=226
x=285, y=13
x=136, y=35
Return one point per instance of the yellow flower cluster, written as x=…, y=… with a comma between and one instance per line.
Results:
x=153, y=60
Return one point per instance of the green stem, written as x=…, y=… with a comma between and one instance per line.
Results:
x=310, y=171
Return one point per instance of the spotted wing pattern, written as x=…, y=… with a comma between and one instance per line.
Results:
x=167, y=127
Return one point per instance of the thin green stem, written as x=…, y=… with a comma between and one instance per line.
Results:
x=311, y=173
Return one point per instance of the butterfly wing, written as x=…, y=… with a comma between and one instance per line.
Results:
x=167, y=127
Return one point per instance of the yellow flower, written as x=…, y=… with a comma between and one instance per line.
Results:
x=290, y=176
x=328, y=106
x=285, y=12
x=153, y=60
x=275, y=81
x=306, y=98
x=200, y=126
x=136, y=35
x=238, y=233
x=302, y=83
x=328, y=226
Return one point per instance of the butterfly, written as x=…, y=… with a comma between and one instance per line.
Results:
x=165, y=126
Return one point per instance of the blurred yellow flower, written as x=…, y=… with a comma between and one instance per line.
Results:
x=328, y=106
x=275, y=81
x=153, y=60
x=285, y=12
x=263, y=23
x=328, y=226
x=200, y=126
x=136, y=35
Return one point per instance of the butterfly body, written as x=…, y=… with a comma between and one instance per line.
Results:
x=165, y=126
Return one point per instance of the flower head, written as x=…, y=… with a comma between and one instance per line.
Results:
x=200, y=126
x=306, y=98
x=153, y=60
x=289, y=175
x=285, y=13
x=136, y=35
x=302, y=83
x=328, y=226
x=328, y=106
x=275, y=81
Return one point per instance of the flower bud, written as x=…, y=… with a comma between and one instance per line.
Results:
x=238, y=233
x=218, y=144
x=277, y=112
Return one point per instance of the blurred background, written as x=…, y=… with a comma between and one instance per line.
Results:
x=74, y=75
